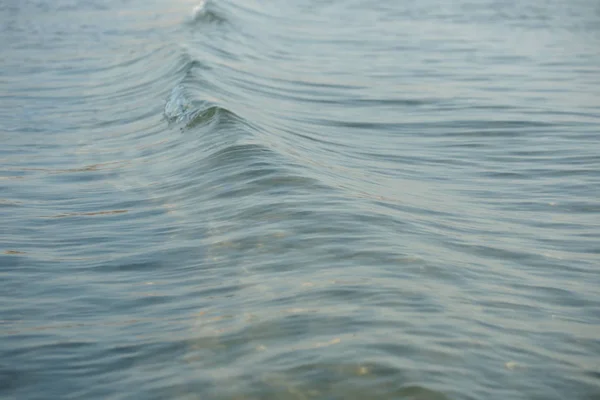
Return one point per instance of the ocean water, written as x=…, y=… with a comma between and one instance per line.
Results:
x=307, y=199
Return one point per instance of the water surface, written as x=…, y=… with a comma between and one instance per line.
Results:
x=300, y=199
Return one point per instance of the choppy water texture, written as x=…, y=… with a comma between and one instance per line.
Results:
x=342, y=199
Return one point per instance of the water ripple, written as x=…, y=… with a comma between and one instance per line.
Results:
x=318, y=199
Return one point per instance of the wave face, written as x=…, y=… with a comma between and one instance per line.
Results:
x=332, y=199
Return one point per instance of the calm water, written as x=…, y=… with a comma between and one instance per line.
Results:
x=309, y=199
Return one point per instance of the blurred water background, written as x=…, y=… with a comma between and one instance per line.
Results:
x=301, y=199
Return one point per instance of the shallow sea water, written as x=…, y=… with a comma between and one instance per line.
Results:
x=305, y=199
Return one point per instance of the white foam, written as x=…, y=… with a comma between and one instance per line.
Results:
x=200, y=9
x=178, y=108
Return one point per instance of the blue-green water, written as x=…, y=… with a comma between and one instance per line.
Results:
x=341, y=199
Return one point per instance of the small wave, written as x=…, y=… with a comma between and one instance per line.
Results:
x=204, y=11
x=180, y=109
x=199, y=9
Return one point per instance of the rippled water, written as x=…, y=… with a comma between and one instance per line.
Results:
x=334, y=199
